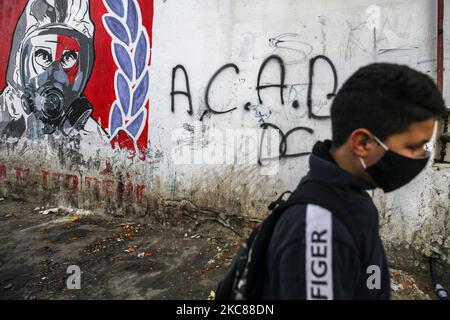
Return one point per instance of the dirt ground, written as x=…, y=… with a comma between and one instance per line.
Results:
x=122, y=258
x=119, y=258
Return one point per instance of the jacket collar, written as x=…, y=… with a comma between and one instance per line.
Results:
x=323, y=167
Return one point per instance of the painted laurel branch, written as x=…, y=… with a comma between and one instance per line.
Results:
x=130, y=48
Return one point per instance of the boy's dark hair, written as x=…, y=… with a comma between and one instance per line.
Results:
x=385, y=99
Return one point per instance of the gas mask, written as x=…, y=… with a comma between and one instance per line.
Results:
x=55, y=65
x=393, y=170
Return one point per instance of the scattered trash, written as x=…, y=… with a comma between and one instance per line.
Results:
x=141, y=255
x=149, y=254
x=395, y=287
x=131, y=249
x=120, y=240
x=94, y=248
x=126, y=224
x=52, y=210
x=197, y=236
x=212, y=295
x=132, y=230
x=74, y=218
x=62, y=211
x=2, y=199
x=405, y=287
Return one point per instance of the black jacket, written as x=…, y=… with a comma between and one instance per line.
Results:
x=312, y=255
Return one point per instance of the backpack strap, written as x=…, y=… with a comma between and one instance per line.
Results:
x=310, y=191
x=321, y=194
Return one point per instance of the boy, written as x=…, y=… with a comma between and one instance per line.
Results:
x=381, y=118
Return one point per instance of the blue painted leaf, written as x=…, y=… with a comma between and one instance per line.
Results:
x=115, y=120
x=140, y=56
x=117, y=29
x=116, y=6
x=139, y=95
x=135, y=126
x=123, y=57
x=132, y=19
x=123, y=92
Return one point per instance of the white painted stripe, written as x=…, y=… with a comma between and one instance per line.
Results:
x=318, y=251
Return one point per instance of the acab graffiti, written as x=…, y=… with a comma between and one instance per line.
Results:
x=180, y=71
x=60, y=80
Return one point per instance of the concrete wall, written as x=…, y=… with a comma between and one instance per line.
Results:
x=181, y=124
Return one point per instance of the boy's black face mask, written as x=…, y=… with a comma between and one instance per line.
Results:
x=393, y=170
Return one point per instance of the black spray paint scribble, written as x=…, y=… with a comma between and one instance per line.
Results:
x=186, y=93
x=259, y=87
x=283, y=146
x=290, y=43
x=280, y=85
x=208, y=88
x=310, y=85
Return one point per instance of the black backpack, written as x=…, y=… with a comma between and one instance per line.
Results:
x=245, y=279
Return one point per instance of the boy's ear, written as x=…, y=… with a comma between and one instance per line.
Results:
x=361, y=142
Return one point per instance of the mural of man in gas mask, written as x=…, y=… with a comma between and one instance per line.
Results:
x=51, y=60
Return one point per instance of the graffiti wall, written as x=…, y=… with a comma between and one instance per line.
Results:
x=217, y=103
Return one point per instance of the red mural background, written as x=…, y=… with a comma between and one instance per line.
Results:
x=100, y=88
